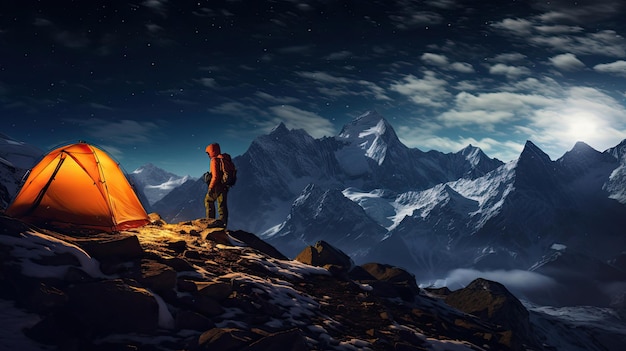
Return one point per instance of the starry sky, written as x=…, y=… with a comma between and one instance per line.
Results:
x=157, y=80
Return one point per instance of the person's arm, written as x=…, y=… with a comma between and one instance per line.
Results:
x=215, y=172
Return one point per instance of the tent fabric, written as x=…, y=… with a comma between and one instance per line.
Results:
x=79, y=186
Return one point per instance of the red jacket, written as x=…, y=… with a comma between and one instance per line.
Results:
x=214, y=167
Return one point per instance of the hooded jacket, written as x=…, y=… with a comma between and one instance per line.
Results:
x=214, y=167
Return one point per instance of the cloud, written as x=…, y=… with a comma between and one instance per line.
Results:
x=434, y=59
x=549, y=114
x=582, y=114
x=340, y=55
x=509, y=57
x=122, y=132
x=158, y=6
x=235, y=109
x=511, y=72
x=564, y=38
x=516, y=281
x=617, y=68
x=475, y=117
x=416, y=19
x=584, y=11
x=276, y=99
x=428, y=91
x=295, y=118
x=442, y=61
x=208, y=82
x=323, y=77
x=518, y=27
x=567, y=62
x=69, y=39
x=342, y=86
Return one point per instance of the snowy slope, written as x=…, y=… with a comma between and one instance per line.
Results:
x=155, y=182
x=319, y=214
x=16, y=158
x=616, y=185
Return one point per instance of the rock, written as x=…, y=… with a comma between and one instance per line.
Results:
x=179, y=264
x=11, y=226
x=112, y=306
x=192, y=321
x=44, y=298
x=177, y=246
x=218, y=236
x=155, y=219
x=113, y=246
x=216, y=290
x=224, y=339
x=288, y=340
x=256, y=243
x=391, y=281
x=389, y=273
x=157, y=276
x=323, y=254
x=492, y=302
x=203, y=305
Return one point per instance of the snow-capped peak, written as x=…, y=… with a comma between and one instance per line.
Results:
x=372, y=133
x=472, y=154
x=280, y=129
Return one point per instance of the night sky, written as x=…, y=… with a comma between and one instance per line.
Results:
x=157, y=80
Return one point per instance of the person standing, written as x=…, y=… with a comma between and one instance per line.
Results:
x=217, y=191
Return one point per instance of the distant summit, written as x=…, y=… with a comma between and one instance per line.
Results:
x=155, y=183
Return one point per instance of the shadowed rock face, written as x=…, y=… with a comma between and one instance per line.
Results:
x=491, y=301
x=191, y=286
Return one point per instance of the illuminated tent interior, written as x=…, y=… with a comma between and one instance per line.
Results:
x=78, y=186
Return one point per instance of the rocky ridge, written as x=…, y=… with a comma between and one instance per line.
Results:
x=192, y=286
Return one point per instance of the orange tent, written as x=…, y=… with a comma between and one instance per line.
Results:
x=79, y=186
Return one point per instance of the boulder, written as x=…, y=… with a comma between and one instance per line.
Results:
x=115, y=247
x=492, y=302
x=113, y=306
x=325, y=255
x=389, y=281
x=157, y=276
x=256, y=243
x=224, y=339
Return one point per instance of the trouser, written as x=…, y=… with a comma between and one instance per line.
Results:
x=222, y=205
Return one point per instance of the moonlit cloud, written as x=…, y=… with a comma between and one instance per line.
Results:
x=435, y=59
x=121, y=132
x=340, y=55
x=513, y=280
x=511, y=72
x=414, y=19
x=276, y=99
x=519, y=27
x=428, y=91
x=509, y=57
x=564, y=38
x=616, y=68
x=323, y=77
x=567, y=62
x=295, y=118
x=208, y=82
x=583, y=114
x=442, y=61
x=341, y=86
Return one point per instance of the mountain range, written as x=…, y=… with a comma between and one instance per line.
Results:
x=435, y=214
x=429, y=212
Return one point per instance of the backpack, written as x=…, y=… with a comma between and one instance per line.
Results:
x=229, y=171
x=207, y=177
